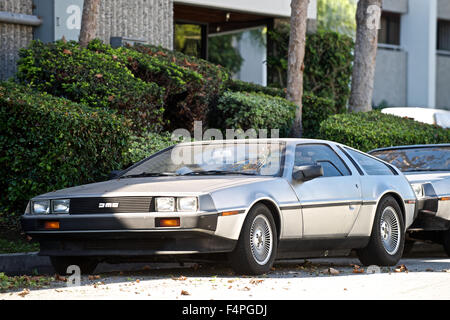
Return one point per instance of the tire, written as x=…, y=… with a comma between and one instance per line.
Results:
x=446, y=242
x=385, y=247
x=60, y=264
x=256, y=248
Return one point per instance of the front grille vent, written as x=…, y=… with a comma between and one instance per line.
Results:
x=110, y=205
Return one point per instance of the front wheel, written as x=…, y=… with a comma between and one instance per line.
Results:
x=256, y=249
x=387, y=240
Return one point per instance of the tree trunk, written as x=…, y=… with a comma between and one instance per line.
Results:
x=296, y=55
x=367, y=22
x=89, y=21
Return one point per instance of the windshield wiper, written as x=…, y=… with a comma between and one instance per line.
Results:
x=219, y=172
x=150, y=174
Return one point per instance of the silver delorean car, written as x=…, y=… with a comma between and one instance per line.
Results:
x=248, y=201
x=427, y=167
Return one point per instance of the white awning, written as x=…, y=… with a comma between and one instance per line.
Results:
x=272, y=8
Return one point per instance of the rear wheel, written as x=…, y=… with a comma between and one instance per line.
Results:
x=60, y=264
x=387, y=240
x=256, y=249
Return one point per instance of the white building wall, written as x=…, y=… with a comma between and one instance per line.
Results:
x=399, y=6
x=390, y=78
x=418, y=37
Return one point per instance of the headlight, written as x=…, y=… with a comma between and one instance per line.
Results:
x=418, y=189
x=41, y=207
x=165, y=204
x=61, y=206
x=187, y=204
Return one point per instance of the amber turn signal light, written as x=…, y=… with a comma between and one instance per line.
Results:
x=167, y=222
x=51, y=225
x=229, y=213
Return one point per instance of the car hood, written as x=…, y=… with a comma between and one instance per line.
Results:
x=439, y=180
x=153, y=186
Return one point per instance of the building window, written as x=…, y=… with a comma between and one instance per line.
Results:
x=443, y=34
x=190, y=39
x=389, y=32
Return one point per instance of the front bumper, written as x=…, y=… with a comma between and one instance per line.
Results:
x=126, y=234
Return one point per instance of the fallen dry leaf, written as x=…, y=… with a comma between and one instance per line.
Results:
x=185, y=293
x=95, y=277
x=401, y=268
x=99, y=75
x=60, y=278
x=357, y=269
x=255, y=281
x=67, y=51
x=180, y=278
x=24, y=293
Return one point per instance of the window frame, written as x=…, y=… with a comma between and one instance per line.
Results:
x=438, y=42
x=389, y=166
x=334, y=151
x=391, y=18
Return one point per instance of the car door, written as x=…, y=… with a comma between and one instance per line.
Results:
x=330, y=204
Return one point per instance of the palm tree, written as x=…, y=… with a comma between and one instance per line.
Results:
x=296, y=55
x=89, y=21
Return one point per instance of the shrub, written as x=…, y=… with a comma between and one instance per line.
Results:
x=48, y=143
x=192, y=84
x=98, y=79
x=369, y=130
x=328, y=63
x=315, y=109
x=141, y=147
x=238, y=85
x=251, y=110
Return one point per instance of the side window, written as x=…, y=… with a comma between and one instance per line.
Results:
x=332, y=165
x=371, y=166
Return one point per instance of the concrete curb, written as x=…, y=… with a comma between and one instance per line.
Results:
x=25, y=263
x=30, y=263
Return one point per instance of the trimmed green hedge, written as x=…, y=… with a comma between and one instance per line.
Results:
x=189, y=100
x=234, y=108
x=369, y=130
x=156, y=88
x=49, y=143
x=98, y=79
x=239, y=86
x=328, y=63
x=315, y=110
x=328, y=66
x=141, y=147
x=251, y=110
x=191, y=84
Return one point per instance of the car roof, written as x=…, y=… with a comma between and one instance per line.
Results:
x=414, y=146
x=268, y=140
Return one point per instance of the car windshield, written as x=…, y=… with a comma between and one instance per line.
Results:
x=231, y=158
x=417, y=159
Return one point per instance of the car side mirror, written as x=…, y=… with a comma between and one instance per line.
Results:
x=114, y=174
x=307, y=172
